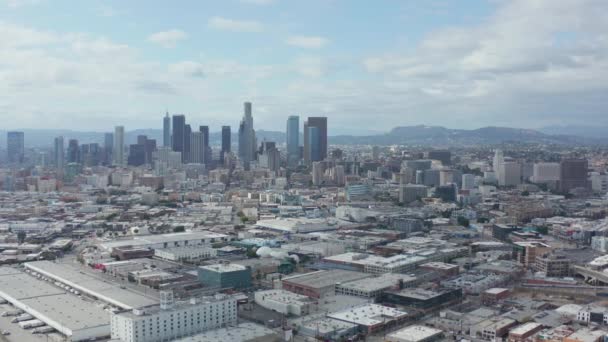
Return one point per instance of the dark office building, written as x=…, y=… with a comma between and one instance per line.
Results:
x=503, y=231
x=319, y=134
x=15, y=145
x=187, y=135
x=108, y=147
x=446, y=193
x=73, y=155
x=226, y=141
x=573, y=174
x=207, y=153
x=421, y=299
x=137, y=155
x=444, y=156
x=179, y=134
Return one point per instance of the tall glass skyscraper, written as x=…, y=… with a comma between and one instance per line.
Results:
x=178, y=136
x=15, y=145
x=226, y=141
x=167, y=130
x=59, y=154
x=293, y=140
x=314, y=134
x=119, y=146
x=321, y=124
x=247, y=143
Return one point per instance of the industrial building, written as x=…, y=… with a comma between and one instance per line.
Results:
x=415, y=333
x=423, y=299
x=244, y=332
x=73, y=317
x=91, y=285
x=225, y=275
x=319, y=284
x=371, y=317
x=285, y=302
x=173, y=320
x=373, y=287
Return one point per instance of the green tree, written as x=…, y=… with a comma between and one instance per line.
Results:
x=463, y=221
x=21, y=235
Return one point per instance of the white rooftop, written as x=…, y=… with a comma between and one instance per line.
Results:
x=414, y=333
x=368, y=315
x=222, y=268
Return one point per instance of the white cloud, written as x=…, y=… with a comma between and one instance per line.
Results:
x=307, y=42
x=225, y=24
x=168, y=39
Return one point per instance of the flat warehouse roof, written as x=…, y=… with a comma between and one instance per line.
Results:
x=92, y=285
x=52, y=305
x=320, y=279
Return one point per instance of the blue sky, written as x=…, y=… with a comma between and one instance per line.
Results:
x=367, y=65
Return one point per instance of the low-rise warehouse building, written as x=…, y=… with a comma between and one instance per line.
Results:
x=373, y=287
x=91, y=284
x=371, y=317
x=415, y=333
x=319, y=284
x=284, y=302
x=65, y=312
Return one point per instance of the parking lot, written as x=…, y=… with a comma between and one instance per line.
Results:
x=17, y=334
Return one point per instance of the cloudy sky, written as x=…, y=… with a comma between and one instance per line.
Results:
x=366, y=65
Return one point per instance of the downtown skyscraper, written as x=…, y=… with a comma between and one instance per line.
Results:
x=59, y=153
x=119, y=146
x=293, y=140
x=179, y=134
x=247, y=142
x=315, y=139
x=15, y=145
x=167, y=130
x=226, y=142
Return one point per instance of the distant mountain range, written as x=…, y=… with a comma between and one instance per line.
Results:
x=406, y=135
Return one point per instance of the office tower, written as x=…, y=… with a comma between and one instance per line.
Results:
x=320, y=123
x=269, y=156
x=178, y=137
x=573, y=174
x=167, y=130
x=207, y=152
x=197, y=147
x=15, y=146
x=226, y=141
x=108, y=147
x=509, y=173
x=498, y=159
x=137, y=154
x=318, y=170
x=247, y=143
x=94, y=157
x=59, y=153
x=83, y=154
x=73, y=151
x=468, y=181
x=187, y=132
x=444, y=156
x=293, y=140
x=409, y=193
x=314, y=144
x=545, y=172
x=119, y=146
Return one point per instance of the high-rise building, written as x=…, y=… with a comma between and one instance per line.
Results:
x=573, y=174
x=15, y=145
x=247, y=144
x=207, y=152
x=226, y=141
x=178, y=137
x=314, y=144
x=137, y=154
x=197, y=147
x=509, y=173
x=167, y=130
x=545, y=172
x=73, y=151
x=119, y=146
x=293, y=140
x=499, y=158
x=108, y=147
x=187, y=133
x=320, y=123
x=59, y=153
x=468, y=181
x=444, y=156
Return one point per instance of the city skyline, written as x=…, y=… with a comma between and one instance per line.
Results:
x=514, y=63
